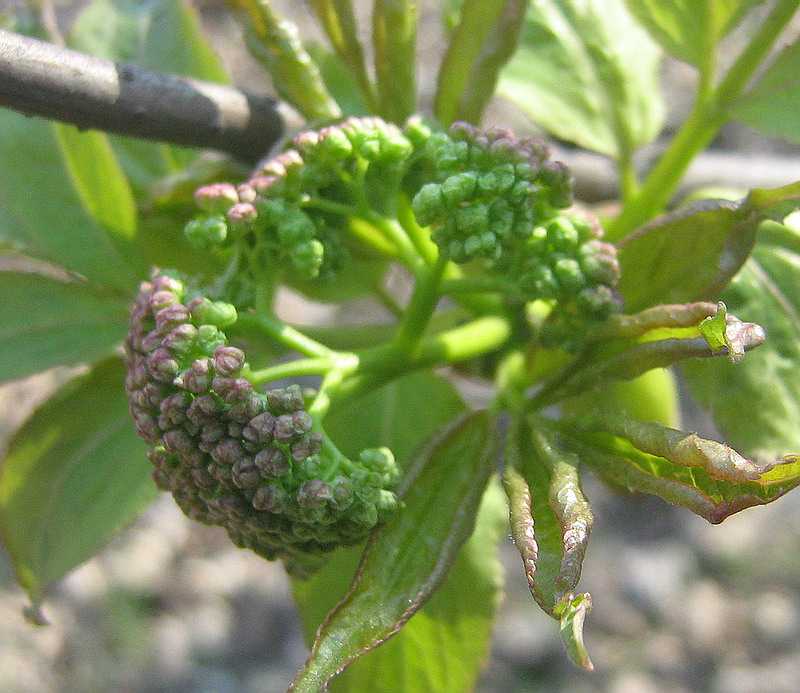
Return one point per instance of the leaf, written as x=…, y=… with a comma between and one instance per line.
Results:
x=161, y=35
x=444, y=645
x=690, y=29
x=588, y=74
x=45, y=322
x=65, y=200
x=484, y=40
x=756, y=403
x=771, y=105
x=550, y=524
x=75, y=473
x=622, y=463
x=685, y=256
x=401, y=416
x=406, y=561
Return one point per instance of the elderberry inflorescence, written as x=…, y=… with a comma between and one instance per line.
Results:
x=231, y=456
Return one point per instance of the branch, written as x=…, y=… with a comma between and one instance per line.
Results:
x=39, y=78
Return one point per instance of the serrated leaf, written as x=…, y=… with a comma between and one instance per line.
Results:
x=45, y=322
x=756, y=403
x=410, y=557
x=74, y=474
x=771, y=105
x=588, y=74
x=622, y=463
x=161, y=35
x=484, y=39
x=65, y=200
x=444, y=645
x=690, y=29
x=550, y=524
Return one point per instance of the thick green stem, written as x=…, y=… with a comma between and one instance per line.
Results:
x=290, y=369
x=279, y=331
x=420, y=309
x=703, y=123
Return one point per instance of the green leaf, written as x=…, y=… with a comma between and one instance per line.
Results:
x=444, y=645
x=688, y=255
x=588, y=74
x=45, y=322
x=690, y=29
x=411, y=556
x=65, y=200
x=484, y=40
x=75, y=473
x=401, y=416
x=162, y=35
x=762, y=421
x=550, y=524
x=623, y=464
x=771, y=105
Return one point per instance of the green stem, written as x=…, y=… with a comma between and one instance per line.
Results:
x=279, y=331
x=420, y=309
x=290, y=369
x=469, y=285
x=420, y=236
x=706, y=118
x=394, y=37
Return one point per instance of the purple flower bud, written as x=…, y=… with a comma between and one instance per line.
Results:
x=232, y=390
x=227, y=452
x=267, y=186
x=213, y=432
x=232, y=506
x=174, y=406
x=216, y=197
x=162, y=299
x=314, y=493
x=247, y=409
x=155, y=392
x=284, y=401
x=198, y=378
x=228, y=360
x=204, y=480
x=235, y=430
x=307, y=446
x=462, y=131
x=242, y=214
x=222, y=474
x=289, y=427
x=151, y=341
x=177, y=441
x=163, y=367
x=306, y=141
x=204, y=409
x=147, y=428
x=272, y=462
x=137, y=374
x=181, y=339
x=271, y=498
x=244, y=473
x=164, y=282
x=246, y=193
x=260, y=428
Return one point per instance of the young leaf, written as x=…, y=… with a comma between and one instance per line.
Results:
x=761, y=420
x=689, y=255
x=45, y=322
x=623, y=463
x=550, y=524
x=65, y=200
x=484, y=40
x=771, y=105
x=588, y=74
x=74, y=474
x=407, y=560
x=690, y=29
x=444, y=645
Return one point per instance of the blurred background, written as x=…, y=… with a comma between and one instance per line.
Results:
x=680, y=606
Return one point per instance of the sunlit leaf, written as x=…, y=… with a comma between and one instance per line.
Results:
x=587, y=73
x=410, y=557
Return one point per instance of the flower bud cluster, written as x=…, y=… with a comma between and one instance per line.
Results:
x=234, y=457
x=564, y=259
x=279, y=213
x=490, y=190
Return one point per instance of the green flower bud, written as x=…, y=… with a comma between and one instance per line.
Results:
x=206, y=233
